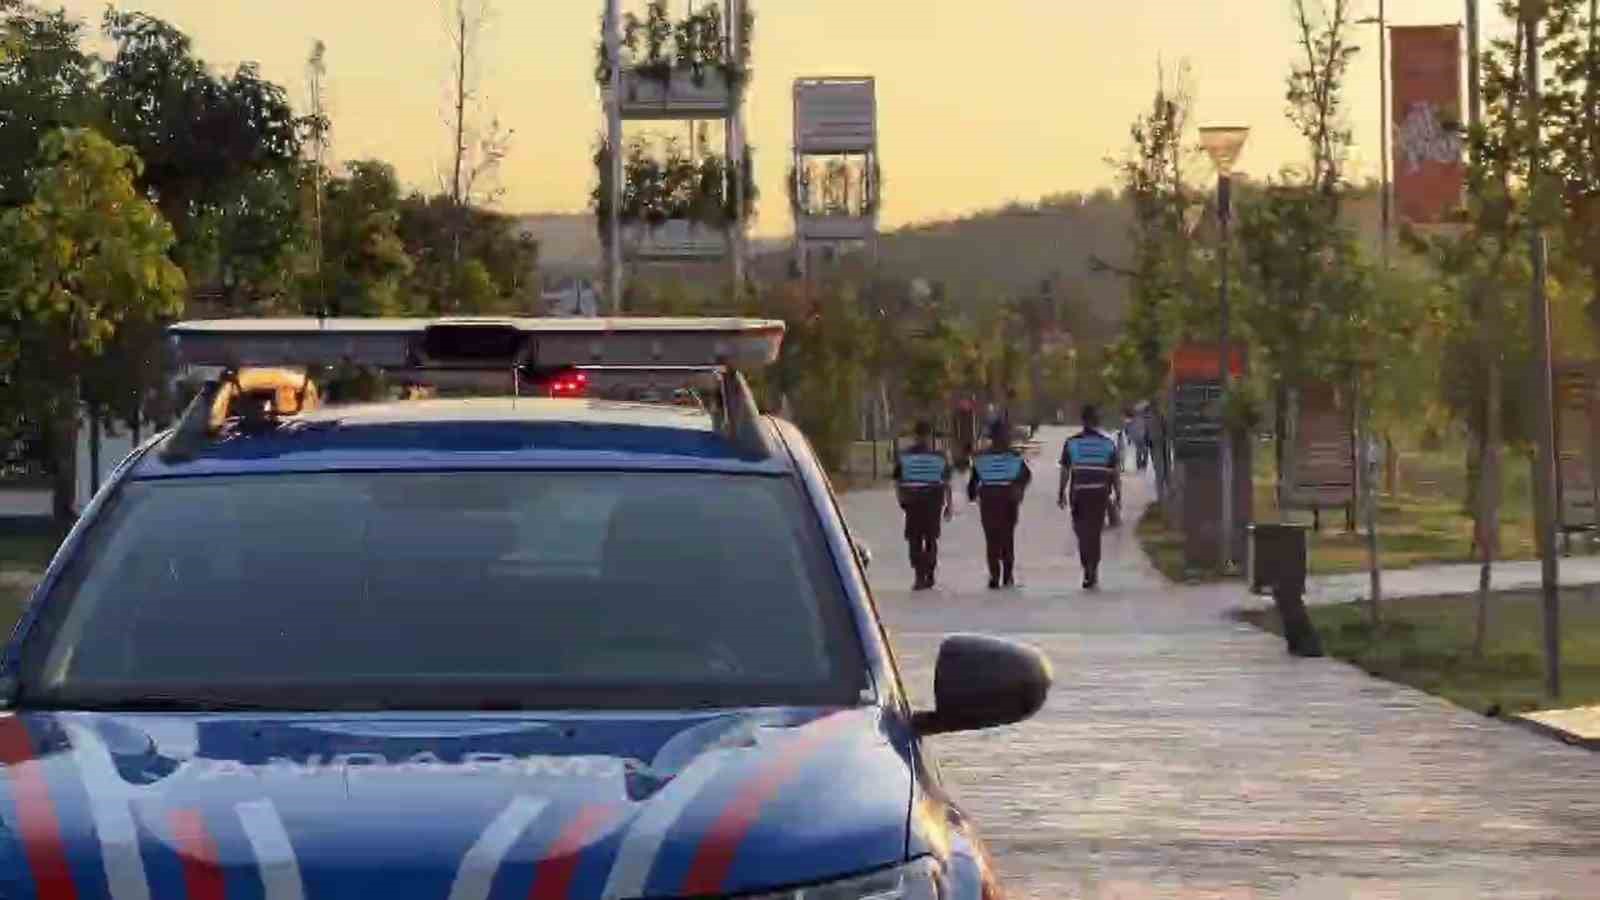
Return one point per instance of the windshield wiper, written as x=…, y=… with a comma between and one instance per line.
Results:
x=161, y=703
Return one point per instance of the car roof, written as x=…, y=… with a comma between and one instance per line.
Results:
x=479, y=433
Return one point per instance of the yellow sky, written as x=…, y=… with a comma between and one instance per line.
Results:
x=980, y=102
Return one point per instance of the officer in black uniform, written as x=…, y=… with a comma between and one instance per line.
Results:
x=923, y=477
x=999, y=479
x=1090, y=473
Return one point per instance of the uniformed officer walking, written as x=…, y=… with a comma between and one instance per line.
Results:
x=999, y=479
x=1090, y=475
x=923, y=477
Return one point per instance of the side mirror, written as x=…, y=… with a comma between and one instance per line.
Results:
x=865, y=553
x=984, y=682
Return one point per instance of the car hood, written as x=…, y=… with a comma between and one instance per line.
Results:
x=461, y=807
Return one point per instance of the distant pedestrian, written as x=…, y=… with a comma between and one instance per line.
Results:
x=1139, y=432
x=999, y=479
x=1125, y=439
x=922, y=475
x=1090, y=476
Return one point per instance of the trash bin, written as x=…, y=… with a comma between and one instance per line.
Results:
x=1277, y=557
x=1278, y=566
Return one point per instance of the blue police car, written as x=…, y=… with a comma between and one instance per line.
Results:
x=511, y=646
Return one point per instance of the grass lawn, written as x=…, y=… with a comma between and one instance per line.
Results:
x=1421, y=522
x=1426, y=643
x=1165, y=547
x=30, y=550
x=11, y=600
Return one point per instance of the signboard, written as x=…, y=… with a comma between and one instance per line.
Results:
x=835, y=228
x=1319, y=465
x=1195, y=361
x=835, y=115
x=1429, y=167
x=1196, y=425
x=680, y=96
x=1197, y=396
x=1575, y=446
x=674, y=241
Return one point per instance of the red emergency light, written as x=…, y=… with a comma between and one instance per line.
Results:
x=569, y=383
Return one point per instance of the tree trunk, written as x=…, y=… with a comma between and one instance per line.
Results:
x=62, y=437
x=94, y=450
x=1391, y=465
x=1280, y=426
x=1488, y=531
x=456, y=188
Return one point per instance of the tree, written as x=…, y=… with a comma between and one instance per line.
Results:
x=1489, y=350
x=366, y=265
x=1570, y=110
x=495, y=272
x=1160, y=278
x=1308, y=303
x=222, y=158
x=476, y=149
x=46, y=82
x=88, y=258
x=320, y=128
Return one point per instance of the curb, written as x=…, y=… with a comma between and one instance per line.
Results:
x=1554, y=733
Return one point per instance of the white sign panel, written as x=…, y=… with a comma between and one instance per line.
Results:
x=681, y=96
x=836, y=228
x=676, y=241
x=835, y=115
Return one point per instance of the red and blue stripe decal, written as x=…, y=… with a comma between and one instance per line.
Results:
x=202, y=871
x=714, y=857
x=557, y=872
x=38, y=824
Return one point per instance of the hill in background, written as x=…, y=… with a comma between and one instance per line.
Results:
x=980, y=259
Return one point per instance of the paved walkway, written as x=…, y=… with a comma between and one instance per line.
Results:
x=1459, y=578
x=1186, y=755
x=15, y=503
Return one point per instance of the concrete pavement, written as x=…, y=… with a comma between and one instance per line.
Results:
x=1459, y=578
x=1185, y=755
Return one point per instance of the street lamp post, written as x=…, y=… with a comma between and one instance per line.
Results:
x=1384, y=123
x=1224, y=144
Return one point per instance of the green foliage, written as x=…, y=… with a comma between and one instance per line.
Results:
x=1316, y=90
x=664, y=184
x=495, y=271
x=1310, y=311
x=656, y=45
x=221, y=154
x=822, y=371
x=1162, y=278
x=1571, y=114
x=386, y=252
x=87, y=251
x=87, y=260
x=365, y=266
x=46, y=80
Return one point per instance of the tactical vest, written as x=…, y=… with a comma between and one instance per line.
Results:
x=922, y=470
x=998, y=469
x=1093, y=458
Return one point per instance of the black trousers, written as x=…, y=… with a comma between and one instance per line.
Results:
x=1088, y=522
x=922, y=536
x=999, y=510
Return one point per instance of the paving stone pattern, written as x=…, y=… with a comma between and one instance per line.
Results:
x=1185, y=755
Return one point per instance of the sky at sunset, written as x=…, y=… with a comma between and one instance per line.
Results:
x=980, y=102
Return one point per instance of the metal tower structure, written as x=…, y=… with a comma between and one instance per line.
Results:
x=835, y=191
x=712, y=94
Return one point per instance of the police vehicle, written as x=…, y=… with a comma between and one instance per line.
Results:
x=507, y=646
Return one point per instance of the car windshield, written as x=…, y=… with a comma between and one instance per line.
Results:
x=449, y=590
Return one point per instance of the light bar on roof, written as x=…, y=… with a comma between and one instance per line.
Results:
x=459, y=343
